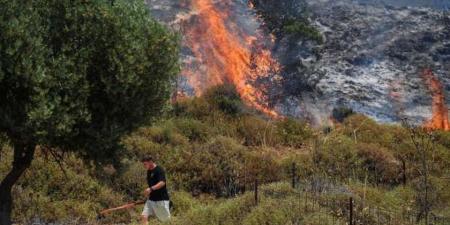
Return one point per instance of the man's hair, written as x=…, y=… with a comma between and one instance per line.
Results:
x=146, y=158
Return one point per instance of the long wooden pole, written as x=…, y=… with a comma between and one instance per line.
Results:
x=126, y=206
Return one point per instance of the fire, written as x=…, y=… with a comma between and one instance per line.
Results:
x=225, y=53
x=439, y=120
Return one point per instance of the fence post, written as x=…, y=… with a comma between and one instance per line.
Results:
x=293, y=174
x=306, y=201
x=256, y=191
x=404, y=172
x=350, y=208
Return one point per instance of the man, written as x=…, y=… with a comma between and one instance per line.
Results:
x=158, y=198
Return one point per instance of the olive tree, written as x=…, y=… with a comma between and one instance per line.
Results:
x=76, y=75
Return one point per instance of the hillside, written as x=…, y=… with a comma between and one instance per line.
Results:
x=309, y=57
x=214, y=148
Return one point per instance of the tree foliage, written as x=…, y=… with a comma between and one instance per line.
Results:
x=79, y=74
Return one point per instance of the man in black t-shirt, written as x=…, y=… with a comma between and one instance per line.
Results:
x=158, y=199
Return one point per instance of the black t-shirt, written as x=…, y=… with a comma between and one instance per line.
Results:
x=154, y=176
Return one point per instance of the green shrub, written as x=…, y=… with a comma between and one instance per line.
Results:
x=138, y=145
x=363, y=129
x=256, y=131
x=261, y=164
x=337, y=157
x=304, y=164
x=217, y=166
x=379, y=162
x=293, y=133
x=183, y=202
x=193, y=129
x=51, y=194
x=131, y=180
x=299, y=28
x=230, y=211
x=276, y=211
x=196, y=107
x=226, y=99
x=443, y=138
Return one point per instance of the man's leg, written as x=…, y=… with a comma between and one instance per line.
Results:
x=161, y=210
x=144, y=220
x=146, y=212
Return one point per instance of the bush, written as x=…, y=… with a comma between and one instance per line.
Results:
x=193, y=129
x=276, y=211
x=261, y=164
x=341, y=113
x=225, y=212
x=304, y=164
x=379, y=162
x=183, y=202
x=226, y=99
x=196, y=107
x=443, y=138
x=293, y=133
x=131, y=180
x=337, y=157
x=363, y=129
x=217, y=166
x=299, y=28
x=146, y=141
x=257, y=132
x=49, y=194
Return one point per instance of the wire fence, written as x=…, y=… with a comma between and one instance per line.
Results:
x=334, y=204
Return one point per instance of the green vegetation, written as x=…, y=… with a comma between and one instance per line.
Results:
x=302, y=29
x=288, y=18
x=77, y=76
x=213, y=158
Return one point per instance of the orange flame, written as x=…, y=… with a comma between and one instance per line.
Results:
x=439, y=120
x=226, y=54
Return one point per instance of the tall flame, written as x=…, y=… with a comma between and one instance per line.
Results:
x=439, y=120
x=224, y=53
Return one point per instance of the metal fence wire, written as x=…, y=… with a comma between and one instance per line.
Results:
x=334, y=204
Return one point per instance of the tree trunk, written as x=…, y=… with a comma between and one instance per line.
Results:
x=23, y=155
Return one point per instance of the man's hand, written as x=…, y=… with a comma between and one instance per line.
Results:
x=147, y=192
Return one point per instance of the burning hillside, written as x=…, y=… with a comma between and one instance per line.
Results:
x=224, y=52
x=368, y=61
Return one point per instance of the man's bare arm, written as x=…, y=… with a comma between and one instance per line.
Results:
x=159, y=185
x=155, y=187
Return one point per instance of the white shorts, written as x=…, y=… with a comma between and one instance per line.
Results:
x=160, y=209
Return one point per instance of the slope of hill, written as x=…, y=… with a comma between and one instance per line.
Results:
x=214, y=147
x=328, y=54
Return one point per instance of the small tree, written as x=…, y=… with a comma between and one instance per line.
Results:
x=424, y=144
x=76, y=76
